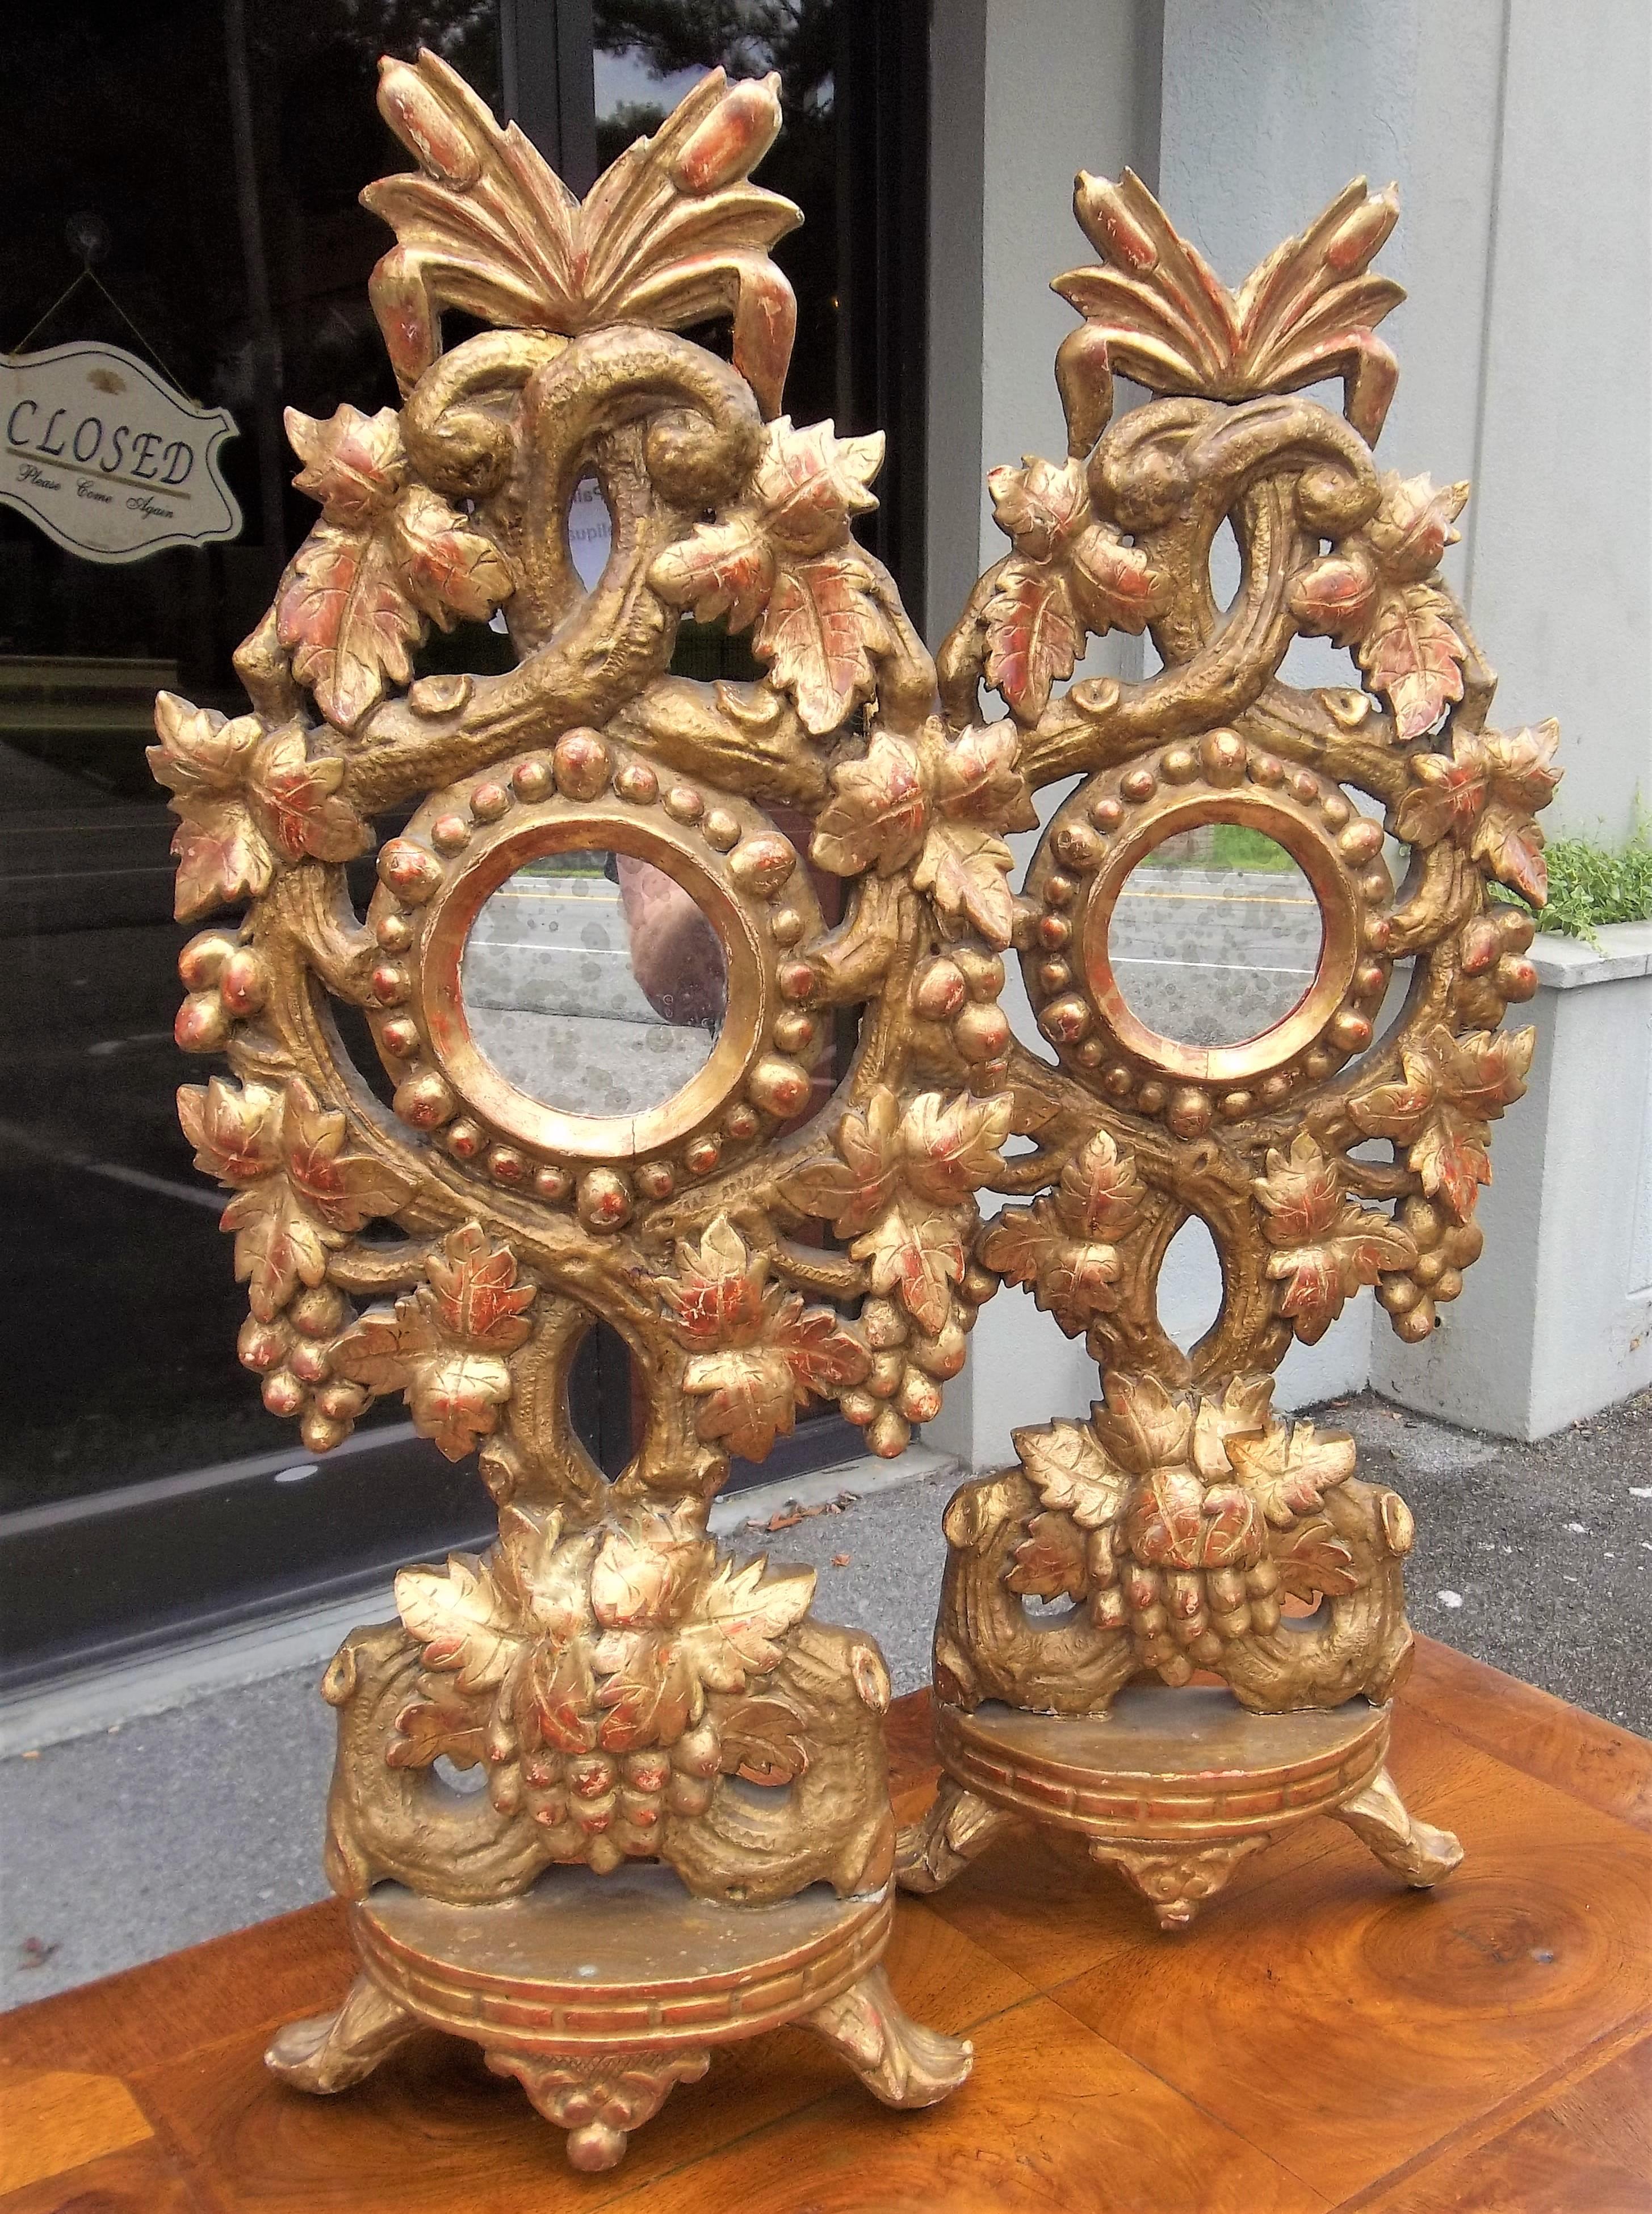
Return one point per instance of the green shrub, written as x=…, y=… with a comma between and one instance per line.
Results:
x=1589, y=886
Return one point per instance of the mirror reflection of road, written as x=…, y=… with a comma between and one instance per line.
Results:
x=1212, y=956
x=553, y=1003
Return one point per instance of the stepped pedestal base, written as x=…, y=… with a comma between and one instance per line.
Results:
x=1172, y=1788
x=598, y=1994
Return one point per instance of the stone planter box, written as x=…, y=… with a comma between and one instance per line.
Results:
x=1556, y=1321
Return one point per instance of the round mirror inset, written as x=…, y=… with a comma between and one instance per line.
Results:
x=1214, y=936
x=595, y=983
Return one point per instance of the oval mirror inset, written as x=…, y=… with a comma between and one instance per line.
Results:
x=1214, y=936
x=592, y=983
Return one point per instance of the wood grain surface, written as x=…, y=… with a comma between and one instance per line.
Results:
x=1320, y=2038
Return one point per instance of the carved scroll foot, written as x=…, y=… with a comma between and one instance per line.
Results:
x=330, y=2052
x=1415, y=1850
x=955, y=1830
x=897, y=2059
x=599, y=2098
x=1175, y=1882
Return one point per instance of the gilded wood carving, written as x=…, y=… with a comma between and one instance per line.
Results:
x=630, y=1694
x=1169, y=1529
x=644, y=1710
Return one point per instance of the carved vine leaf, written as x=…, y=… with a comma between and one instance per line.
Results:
x=759, y=1352
x=1326, y=1246
x=619, y=1650
x=1414, y=653
x=465, y=1620
x=924, y=802
x=671, y=234
x=1288, y=1471
x=1313, y=1561
x=444, y=1345
x=442, y=1724
x=809, y=484
x=1061, y=1247
x=1178, y=1522
x=739, y=1618
x=301, y=1191
x=646, y=1572
x=728, y=1625
x=1483, y=795
x=902, y=1187
x=1244, y=1409
x=1378, y=592
x=1141, y=1425
x=387, y=558
x=1032, y=636
x=819, y=633
x=1115, y=586
x=879, y=811
x=1215, y=1484
x=1074, y=1473
x=1050, y=1562
x=248, y=799
x=783, y=558
x=1040, y=506
x=1453, y=1089
x=1306, y=313
x=1068, y=574
x=918, y=1253
x=853, y=1190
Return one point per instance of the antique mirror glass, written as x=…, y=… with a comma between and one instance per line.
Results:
x=1214, y=936
x=592, y=983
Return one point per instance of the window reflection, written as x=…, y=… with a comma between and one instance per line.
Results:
x=648, y=55
x=120, y=1310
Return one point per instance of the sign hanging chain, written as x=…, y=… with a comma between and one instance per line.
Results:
x=88, y=275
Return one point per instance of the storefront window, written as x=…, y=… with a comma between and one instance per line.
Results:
x=184, y=187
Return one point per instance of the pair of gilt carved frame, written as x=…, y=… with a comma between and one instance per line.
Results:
x=661, y=1729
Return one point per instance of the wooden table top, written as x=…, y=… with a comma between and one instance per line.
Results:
x=1320, y=2038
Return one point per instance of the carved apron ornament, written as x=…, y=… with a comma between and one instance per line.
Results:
x=663, y=1728
x=1172, y=1531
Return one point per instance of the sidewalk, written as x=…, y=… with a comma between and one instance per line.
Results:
x=173, y=1828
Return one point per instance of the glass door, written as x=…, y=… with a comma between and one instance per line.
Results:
x=184, y=187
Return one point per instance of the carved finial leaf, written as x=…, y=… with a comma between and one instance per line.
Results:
x=1306, y=312
x=670, y=235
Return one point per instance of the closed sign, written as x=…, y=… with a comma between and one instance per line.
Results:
x=107, y=458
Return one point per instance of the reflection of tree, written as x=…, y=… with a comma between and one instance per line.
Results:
x=748, y=38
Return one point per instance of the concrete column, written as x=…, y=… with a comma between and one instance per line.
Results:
x=1024, y=93
x=1560, y=546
